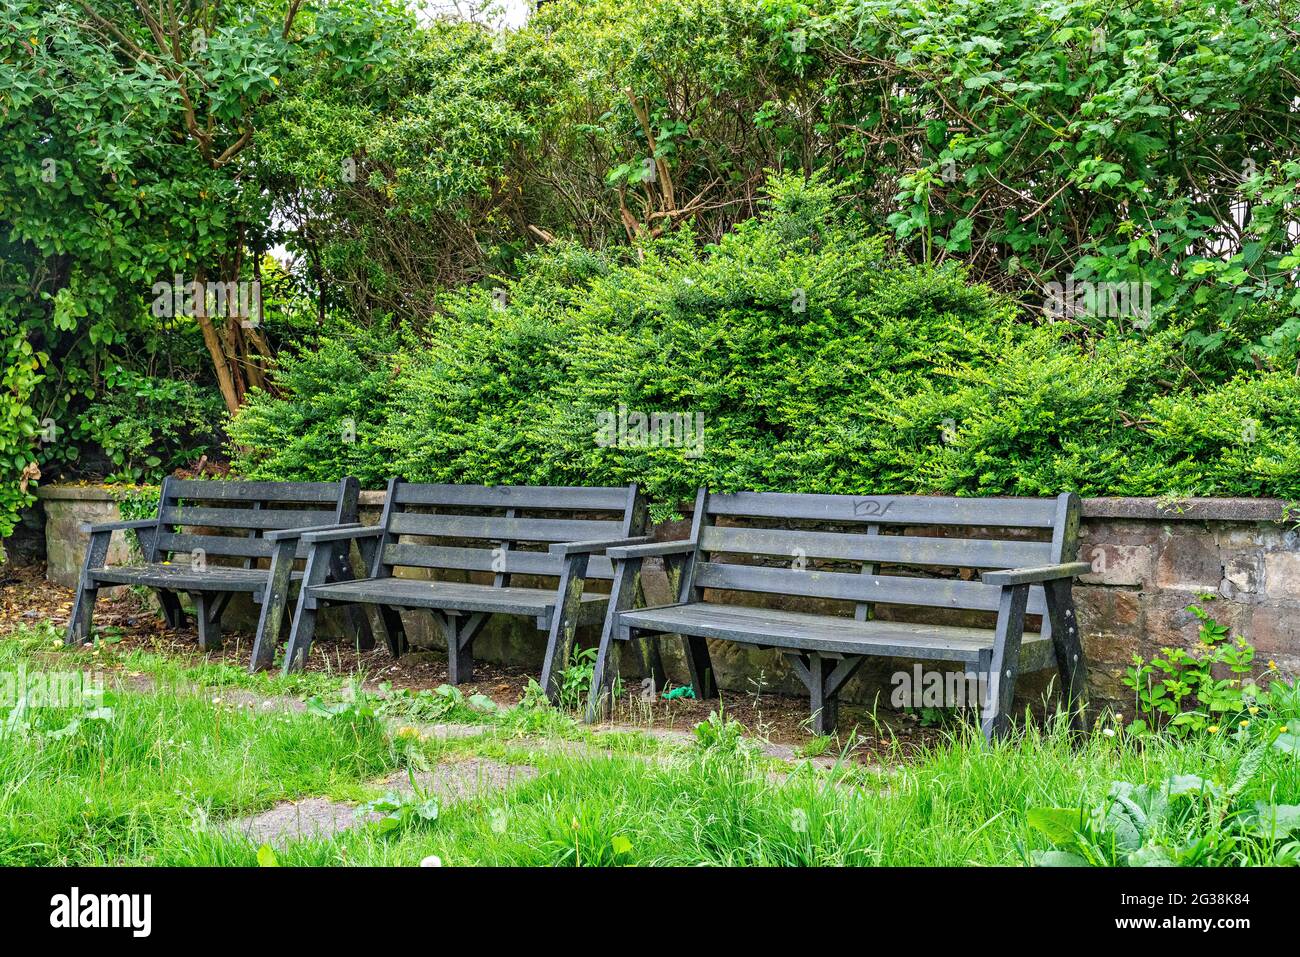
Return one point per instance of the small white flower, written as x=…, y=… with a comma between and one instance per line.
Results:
x=1108, y=732
x=433, y=860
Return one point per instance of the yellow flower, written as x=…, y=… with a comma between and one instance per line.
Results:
x=1272, y=665
x=1213, y=729
x=1253, y=709
x=1244, y=725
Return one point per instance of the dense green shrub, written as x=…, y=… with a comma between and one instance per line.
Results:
x=814, y=360
x=1146, y=142
x=149, y=425
x=339, y=386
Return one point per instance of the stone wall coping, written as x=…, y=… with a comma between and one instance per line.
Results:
x=1139, y=509
x=1189, y=509
x=78, y=493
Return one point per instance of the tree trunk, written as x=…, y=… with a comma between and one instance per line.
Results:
x=213, y=341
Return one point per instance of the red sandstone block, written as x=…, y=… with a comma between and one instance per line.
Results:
x=1243, y=575
x=1114, y=564
x=1274, y=631
x=1189, y=561
x=1282, y=576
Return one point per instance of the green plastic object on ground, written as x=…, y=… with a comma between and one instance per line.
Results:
x=685, y=691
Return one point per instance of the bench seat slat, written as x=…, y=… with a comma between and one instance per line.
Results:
x=269, y=518
x=460, y=596
x=514, y=562
x=894, y=549
x=514, y=496
x=883, y=589
x=889, y=509
x=810, y=632
x=491, y=528
x=181, y=576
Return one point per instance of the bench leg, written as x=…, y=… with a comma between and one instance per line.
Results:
x=460, y=633
x=564, y=624
x=358, y=625
x=304, y=613
x=357, y=621
x=83, y=609
x=207, y=616
x=622, y=596
x=394, y=631
x=1004, y=666
x=700, y=666
x=652, y=659
x=274, y=602
x=1069, y=651
x=83, y=605
x=825, y=706
x=600, y=695
x=460, y=658
x=301, y=633
x=172, y=611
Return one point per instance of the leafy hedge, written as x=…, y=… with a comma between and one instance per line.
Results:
x=1146, y=142
x=893, y=377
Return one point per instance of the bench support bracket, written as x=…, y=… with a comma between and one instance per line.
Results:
x=823, y=676
x=460, y=632
x=172, y=611
x=208, y=607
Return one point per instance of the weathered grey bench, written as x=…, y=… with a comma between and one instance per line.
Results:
x=892, y=562
x=194, y=524
x=461, y=529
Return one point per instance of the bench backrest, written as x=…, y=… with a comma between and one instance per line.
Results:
x=503, y=529
x=228, y=519
x=876, y=549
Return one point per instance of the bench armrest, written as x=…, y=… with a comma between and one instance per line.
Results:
x=1034, y=576
x=285, y=534
x=589, y=548
x=338, y=533
x=138, y=523
x=653, y=549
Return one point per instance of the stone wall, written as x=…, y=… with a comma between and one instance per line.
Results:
x=1150, y=560
x=67, y=508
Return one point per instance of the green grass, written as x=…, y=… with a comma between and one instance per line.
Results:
x=166, y=762
x=957, y=805
x=149, y=785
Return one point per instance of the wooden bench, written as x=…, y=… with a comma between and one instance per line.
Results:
x=461, y=529
x=194, y=524
x=874, y=561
